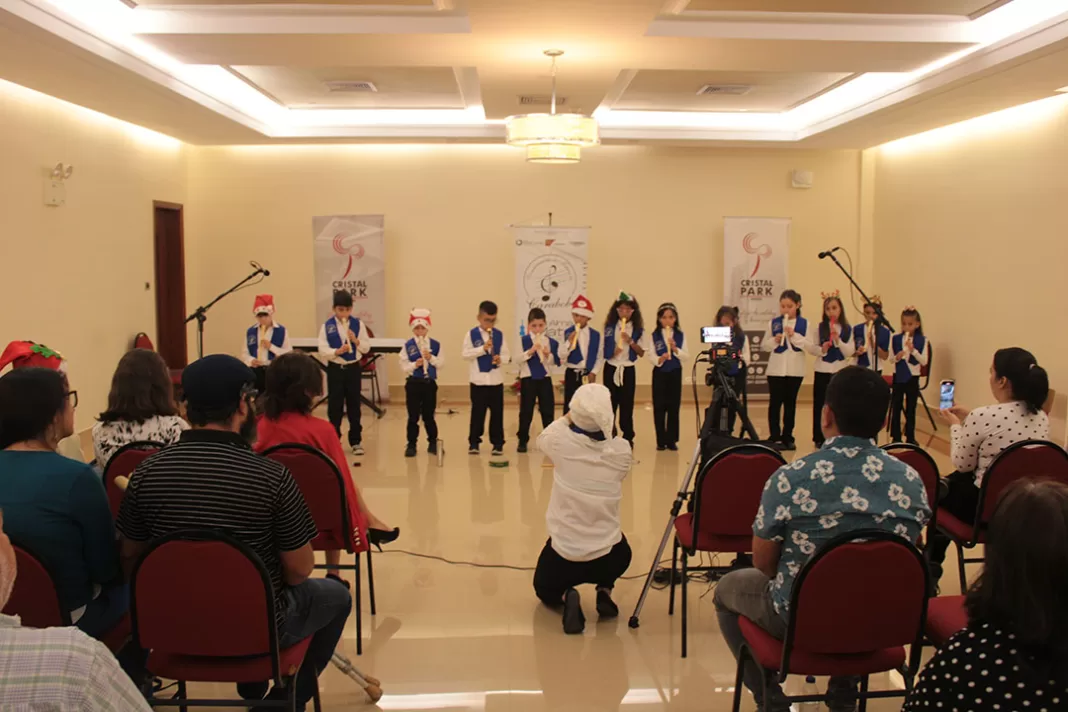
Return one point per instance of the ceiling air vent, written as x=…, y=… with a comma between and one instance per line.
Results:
x=724, y=90
x=346, y=86
x=541, y=100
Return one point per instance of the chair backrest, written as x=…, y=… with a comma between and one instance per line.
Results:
x=729, y=487
x=323, y=488
x=1031, y=459
x=920, y=460
x=861, y=591
x=34, y=598
x=122, y=464
x=202, y=592
x=369, y=362
x=143, y=341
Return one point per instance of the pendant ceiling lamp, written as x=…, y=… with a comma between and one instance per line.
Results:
x=553, y=137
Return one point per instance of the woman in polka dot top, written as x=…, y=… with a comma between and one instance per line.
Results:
x=1013, y=656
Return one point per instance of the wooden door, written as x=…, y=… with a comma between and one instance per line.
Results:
x=170, y=284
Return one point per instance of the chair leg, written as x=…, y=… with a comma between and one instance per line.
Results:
x=357, y=601
x=182, y=694
x=928, y=409
x=315, y=698
x=863, y=694
x=738, y=679
x=685, y=576
x=674, y=568
x=370, y=581
x=292, y=697
x=960, y=568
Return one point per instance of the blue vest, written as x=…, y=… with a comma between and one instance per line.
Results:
x=575, y=357
x=902, y=372
x=536, y=365
x=860, y=335
x=252, y=337
x=610, y=344
x=800, y=328
x=834, y=353
x=414, y=355
x=660, y=346
x=485, y=361
x=336, y=340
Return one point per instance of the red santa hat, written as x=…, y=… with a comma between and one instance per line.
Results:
x=582, y=306
x=264, y=305
x=24, y=354
x=419, y=317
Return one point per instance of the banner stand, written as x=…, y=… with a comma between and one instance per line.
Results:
x=550, y=271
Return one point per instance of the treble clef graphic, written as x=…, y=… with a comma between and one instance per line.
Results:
x=552, y=284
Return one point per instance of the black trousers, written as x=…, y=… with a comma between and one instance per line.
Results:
x=961, y=500
x=261, y=378
x=905, y=396
x=421, y=397
x=573, y=379
x=531, y=390
x=485, y=398
x=783, y=391
x=819, y=397
x=622, y=400
x=555, y=574
x=667, y=398
x=343, y=395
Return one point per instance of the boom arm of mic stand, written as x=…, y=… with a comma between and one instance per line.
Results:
x=880, y=317
x=201, y=313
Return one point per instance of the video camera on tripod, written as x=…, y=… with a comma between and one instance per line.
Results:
x=723, y=355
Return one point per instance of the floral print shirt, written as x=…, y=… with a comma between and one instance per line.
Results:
x=847, y=484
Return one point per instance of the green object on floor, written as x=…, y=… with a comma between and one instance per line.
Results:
x=498, y=463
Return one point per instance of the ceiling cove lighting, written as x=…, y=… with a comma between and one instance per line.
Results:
x=552, y=137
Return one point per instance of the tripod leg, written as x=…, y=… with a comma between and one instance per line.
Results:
x=685, y=576
x=674, y=567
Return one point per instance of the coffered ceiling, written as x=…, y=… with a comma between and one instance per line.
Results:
x=784, y=71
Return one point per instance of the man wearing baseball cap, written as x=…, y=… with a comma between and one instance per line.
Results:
x=253, y=499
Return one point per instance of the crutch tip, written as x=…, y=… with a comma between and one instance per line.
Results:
x=374, y=692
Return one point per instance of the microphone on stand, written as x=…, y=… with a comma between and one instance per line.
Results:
x=829, y=252
x=259, y=268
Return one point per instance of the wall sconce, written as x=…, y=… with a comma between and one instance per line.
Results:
x=55, y=185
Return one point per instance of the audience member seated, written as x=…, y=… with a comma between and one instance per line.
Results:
x=1014, y=652
x=56, y=507
x=27, y=354
x=140, y=406
x=294, y=383
x=586, y=543
x=56, y=668
x=1020, y=387
x=847, y=484
x=211, y=479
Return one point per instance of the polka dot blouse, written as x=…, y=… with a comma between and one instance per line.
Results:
x=989, y=430
x=980, y=668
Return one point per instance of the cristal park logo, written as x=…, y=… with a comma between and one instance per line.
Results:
x=761, y=251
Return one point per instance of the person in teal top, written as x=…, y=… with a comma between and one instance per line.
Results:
x=53, y=506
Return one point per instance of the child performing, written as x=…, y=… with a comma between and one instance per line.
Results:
x=832, y=344
x=485, y=348
x=264, y=340
x=872, y=343
x=911, y=350
x=580, y=350
x=540, y=354
x=342, y=341
x=728, y=316
x=623, y=346
x=667, y=355
x=785, y=338
x=420, y=360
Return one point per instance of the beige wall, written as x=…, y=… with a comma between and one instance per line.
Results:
x=657, y=218
x=969, y=226
x=74, y=277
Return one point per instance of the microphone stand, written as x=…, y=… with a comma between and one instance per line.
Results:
x=880, y=317
x=201, y=314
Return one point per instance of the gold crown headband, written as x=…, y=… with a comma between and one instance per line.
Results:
x=910, y=308
x=829, y=295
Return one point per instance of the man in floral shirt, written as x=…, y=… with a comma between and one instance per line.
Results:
x=847, y=484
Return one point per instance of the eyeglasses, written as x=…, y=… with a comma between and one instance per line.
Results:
x=73, y=396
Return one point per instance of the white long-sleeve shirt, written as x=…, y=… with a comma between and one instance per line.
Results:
x=791, y=362
x=989, y=430
x=549, y=362
x=921, y=355
x=408, y=366
x=623, y=359
x=680, y=353
x=815, y=347
x=583, y=517
x=327, y=351
x=582, y=343
x=493, y=377
x=285, y=348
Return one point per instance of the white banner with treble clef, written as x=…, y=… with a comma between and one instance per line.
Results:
x=550, y=271
x=756, y=254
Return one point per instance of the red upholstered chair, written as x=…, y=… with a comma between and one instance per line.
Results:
x=856, y=604
x=946, y=616
x=122, y=464
x=222, y=632
x=143, y=341
x=920, y=460
x=1031, y=459
x=321, y=483
x=725, y=502
x=35, y=601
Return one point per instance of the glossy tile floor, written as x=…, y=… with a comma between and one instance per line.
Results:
x=456, y=637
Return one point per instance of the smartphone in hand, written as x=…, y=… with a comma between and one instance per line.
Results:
x=948, y=394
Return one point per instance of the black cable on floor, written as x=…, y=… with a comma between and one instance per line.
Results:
x=483, y=566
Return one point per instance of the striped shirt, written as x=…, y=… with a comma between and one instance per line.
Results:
x=61, y=669
x=211, y=479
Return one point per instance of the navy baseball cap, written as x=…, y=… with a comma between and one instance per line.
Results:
x=215, y=381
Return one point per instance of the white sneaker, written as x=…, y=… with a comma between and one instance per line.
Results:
x=357, y=449
x=472, y=451
x=497, y=453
